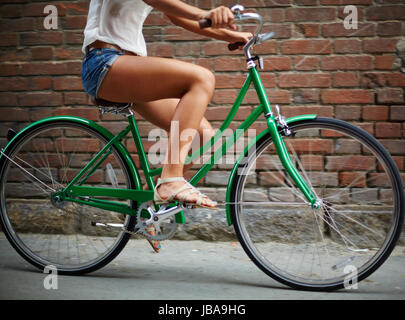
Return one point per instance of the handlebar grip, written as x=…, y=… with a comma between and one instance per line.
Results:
x=234, y=46
x=205, y=23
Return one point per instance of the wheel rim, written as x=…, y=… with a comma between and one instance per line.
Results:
x=302, y=246
x=59, y=234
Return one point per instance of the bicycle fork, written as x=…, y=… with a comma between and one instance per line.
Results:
x=286, y=161
x=273, y=124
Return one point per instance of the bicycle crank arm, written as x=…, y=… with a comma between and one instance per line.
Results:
x=164, y=213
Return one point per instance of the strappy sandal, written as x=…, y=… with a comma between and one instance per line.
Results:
x=182, y=199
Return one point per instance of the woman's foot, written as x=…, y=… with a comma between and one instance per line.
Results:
x=178, y=189
x=156, y=246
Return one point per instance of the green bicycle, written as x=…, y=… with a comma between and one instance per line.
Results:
x=308, y=196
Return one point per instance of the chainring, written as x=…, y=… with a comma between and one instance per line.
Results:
x=165, y=229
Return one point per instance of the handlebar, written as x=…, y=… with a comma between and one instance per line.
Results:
x=257, y=38
x=205, y=23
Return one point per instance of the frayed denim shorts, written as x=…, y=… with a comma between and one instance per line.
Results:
x=95, y=66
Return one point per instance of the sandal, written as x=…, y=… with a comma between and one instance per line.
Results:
x=182, y=199
x=155, y=244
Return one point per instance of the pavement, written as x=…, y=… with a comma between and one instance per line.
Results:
x=183, y=270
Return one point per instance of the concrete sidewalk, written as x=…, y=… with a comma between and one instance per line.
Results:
x=183, y=270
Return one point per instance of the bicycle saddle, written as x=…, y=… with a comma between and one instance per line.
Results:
x=109, y=104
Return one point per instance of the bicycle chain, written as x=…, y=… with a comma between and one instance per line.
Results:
x=140, y=227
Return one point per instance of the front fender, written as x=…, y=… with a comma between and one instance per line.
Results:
x=245, y=151
x=93, y=125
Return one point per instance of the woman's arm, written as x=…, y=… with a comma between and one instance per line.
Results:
x=220, y=17
x=216, y=33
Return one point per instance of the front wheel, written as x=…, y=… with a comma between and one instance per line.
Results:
x=357, y=224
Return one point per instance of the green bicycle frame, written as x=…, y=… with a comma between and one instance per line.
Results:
x=272, y=128
x=263, y=108
x=76, y=192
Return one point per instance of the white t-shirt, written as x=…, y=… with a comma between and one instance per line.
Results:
x=117, y=22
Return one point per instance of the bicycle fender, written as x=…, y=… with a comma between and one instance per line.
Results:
x=93, y=125
x=232, y=176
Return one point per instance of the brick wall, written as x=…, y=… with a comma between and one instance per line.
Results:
x=314, y=65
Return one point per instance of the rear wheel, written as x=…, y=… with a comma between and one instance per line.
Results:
x=66, y=235
x=359, y=220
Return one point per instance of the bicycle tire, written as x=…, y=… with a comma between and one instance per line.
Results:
x=9, y=225
x=280, y=233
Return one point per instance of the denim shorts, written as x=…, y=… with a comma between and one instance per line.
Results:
x=95, y=66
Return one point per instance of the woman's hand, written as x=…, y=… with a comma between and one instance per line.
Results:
x=221, y=17
x=234, y=36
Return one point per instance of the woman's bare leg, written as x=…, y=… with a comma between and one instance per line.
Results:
x=161, y=112
x=145, y=79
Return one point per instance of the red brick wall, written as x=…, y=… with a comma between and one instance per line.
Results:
x=314, y=65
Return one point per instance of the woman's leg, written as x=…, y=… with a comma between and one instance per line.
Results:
x=161, y=112
x=145, y=79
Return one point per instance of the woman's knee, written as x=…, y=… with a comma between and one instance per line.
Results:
x=205, y=80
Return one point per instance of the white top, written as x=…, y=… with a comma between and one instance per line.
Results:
x=117, y=22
